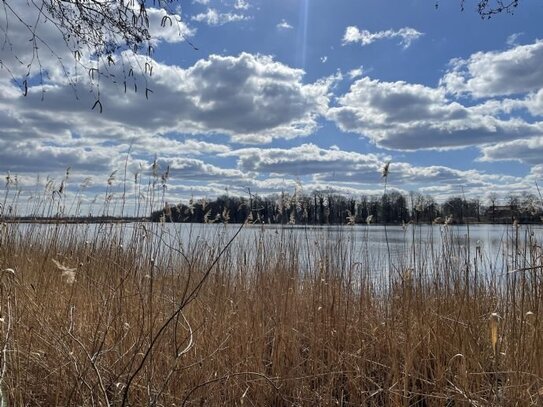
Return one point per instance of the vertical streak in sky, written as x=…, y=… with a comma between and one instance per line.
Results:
x=301, y=49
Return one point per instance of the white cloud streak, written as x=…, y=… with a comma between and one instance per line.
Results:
x=215, y=18
x=354, y=35
x=283, y=25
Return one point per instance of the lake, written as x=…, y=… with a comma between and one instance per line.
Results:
x=375, y=250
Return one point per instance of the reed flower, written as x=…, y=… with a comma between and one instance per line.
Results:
x=351, y=219
x=9, y=271
x=384, y=171
x=493, y=322
x=68, y=274
x=530, y=316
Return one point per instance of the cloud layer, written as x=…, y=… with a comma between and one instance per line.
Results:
x=246, y=119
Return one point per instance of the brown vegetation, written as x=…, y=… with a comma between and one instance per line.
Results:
x=80, y=311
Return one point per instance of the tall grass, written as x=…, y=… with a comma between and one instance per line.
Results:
x=164, y=316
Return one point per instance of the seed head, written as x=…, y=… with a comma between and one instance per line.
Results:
x=351, y=219
x=68, y=274
x=9, y=271
x=384, y=171
x=493, y=322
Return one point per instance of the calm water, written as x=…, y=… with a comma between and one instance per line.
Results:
x=376, y=249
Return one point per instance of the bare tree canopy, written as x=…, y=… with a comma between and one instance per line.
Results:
x=89, y=34
x=104, y=26
x=489, y=8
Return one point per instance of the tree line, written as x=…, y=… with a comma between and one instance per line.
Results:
x=328, y=208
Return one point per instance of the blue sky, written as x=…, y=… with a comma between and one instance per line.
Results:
x=309, y=92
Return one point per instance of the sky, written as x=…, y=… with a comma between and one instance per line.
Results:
x=269, y=96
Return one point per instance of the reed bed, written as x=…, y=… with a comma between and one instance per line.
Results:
x=119, y=315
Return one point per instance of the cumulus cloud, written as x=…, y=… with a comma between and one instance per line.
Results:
x=534, y=103
x=404, y=116
x=529, y=151
x=251, y=98
x=497, y=73
x=215, y=18
x=407, y=35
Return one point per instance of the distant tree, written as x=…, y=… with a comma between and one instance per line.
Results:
x=455, y=207
x=530, y=209
x=513, y=203
x=362, y=209
x=327, y=207
x=492, y=199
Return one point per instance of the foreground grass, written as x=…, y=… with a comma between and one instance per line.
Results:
x=118, y=316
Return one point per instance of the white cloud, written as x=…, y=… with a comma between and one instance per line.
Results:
x=172, y=147
x=284, y=25
x=250, y=98
x=489, y=74
x=405, y=116
x=529, y=151
x=333, y=168
x=534, y=103
x=356, y=73
x=306, y=159
x=33, y=156
x=324, y=59
x=407, y=35
x=513, y=38
x=215, y=18
x=241, y=5
x=198, y=170
x=167, y=27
